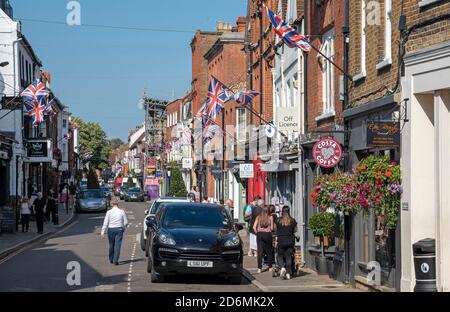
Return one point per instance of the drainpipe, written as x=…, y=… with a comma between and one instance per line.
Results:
x=347, y=219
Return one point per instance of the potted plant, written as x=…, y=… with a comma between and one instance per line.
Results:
x=322, y=225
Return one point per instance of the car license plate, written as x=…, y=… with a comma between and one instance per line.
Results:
x=200, y=264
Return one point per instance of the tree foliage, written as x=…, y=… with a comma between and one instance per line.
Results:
x=115, y=143
x=93, y=180
x=95, y=147
x=177, y=187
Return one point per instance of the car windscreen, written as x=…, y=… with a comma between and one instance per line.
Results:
x=155, y=208
x=92, y=194
x=134, y=190
x=195, y=216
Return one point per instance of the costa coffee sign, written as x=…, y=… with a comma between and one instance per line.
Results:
x=327, y=153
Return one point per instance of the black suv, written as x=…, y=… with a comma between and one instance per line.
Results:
x=190, y=238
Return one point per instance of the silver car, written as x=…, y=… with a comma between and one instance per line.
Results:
x=91, y=201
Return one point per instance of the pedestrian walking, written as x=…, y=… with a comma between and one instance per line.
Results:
x=196, y=194
x=205, y=200
x=52, y=207
x=229, y=207
x=250, y=214
x=263, y=227
x=114, y=225
x=286, y=227
x=72, y=192
x=25, y=214
x=39, y=207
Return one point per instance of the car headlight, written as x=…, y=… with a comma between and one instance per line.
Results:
x=103, y=202
x=166, y=240
x=83, y=205
x=232, y=242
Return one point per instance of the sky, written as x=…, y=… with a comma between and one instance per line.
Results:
x=101, y=73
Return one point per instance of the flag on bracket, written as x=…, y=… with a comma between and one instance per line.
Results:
x=218, y=94
x=245, y=98
x=287, y=33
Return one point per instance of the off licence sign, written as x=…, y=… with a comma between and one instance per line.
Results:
x=327, y=153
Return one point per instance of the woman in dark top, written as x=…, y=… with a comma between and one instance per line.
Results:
x=286, y=227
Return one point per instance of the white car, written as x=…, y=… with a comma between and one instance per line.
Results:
x=151, y=212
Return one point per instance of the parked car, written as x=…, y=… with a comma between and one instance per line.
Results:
x=91, y=201
x=107, y=192
x=134, y=194
x=191, y=238
x=152, y=212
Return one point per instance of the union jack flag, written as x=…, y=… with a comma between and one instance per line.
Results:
x=246, y=97
x=186, y=135
x=36, y=112
x=218, y=94
x=209, y=133
x=34, y=94
x=287, y=33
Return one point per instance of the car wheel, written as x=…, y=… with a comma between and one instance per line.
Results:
x=156, y=278
x=149, y=265
x=147, y=247
x=143, y=242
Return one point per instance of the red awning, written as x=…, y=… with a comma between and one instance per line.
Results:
x=119, y=180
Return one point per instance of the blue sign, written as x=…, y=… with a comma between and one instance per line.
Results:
x=159, y=174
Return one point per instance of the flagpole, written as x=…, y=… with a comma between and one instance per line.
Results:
x=333, y=63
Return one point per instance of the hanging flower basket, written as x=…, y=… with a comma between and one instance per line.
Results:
x=374, y=184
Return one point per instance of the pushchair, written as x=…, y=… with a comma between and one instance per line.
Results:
x=296, y=259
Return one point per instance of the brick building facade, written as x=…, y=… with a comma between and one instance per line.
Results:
x=227, y=63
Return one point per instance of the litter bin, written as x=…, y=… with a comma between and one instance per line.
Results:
x=425, y=265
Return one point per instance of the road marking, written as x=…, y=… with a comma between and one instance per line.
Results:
x=130, y=271
x=104, y=288
x=138, y=238
x=310, y=286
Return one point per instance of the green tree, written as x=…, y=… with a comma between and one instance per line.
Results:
x=93, y=180
x=177, y=187
x=115, y=143
x=95, y=147
x=130, y=183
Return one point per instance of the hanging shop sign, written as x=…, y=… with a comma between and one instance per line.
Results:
x=287, y=119
x=39, y=151
x=246, y=171
x=327, y=153
x=270, y=131
x=382, y=134
x=188, y=163
x=152, y=182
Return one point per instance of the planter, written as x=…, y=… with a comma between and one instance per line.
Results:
x=321, y=265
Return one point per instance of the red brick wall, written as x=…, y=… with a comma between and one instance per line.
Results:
x=201, y=43
x=254, y=37
x=227, y=64
x=322, y=18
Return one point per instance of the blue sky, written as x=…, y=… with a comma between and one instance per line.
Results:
x=101, y=73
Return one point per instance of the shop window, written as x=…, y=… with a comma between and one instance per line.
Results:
x=328, y=73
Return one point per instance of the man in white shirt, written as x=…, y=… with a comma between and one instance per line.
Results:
x=115, y=223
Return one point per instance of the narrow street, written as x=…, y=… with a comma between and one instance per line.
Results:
x=43, y=267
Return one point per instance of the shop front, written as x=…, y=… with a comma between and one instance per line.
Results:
x=374, y=131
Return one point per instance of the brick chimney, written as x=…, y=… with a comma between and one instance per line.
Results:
x=241, y=24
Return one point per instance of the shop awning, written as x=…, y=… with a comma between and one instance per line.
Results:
x=119, y=180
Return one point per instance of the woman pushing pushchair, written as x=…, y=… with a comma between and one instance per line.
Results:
x=286, y=227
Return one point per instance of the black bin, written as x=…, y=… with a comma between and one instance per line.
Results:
x=425, y=265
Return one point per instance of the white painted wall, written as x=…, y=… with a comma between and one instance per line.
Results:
x=425, y=165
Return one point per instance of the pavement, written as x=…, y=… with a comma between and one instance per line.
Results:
x=50, y=265
x=12, y=242
x=308, y=281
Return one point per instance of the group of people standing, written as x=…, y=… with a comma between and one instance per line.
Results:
x=43, y=210
x=268, y=231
